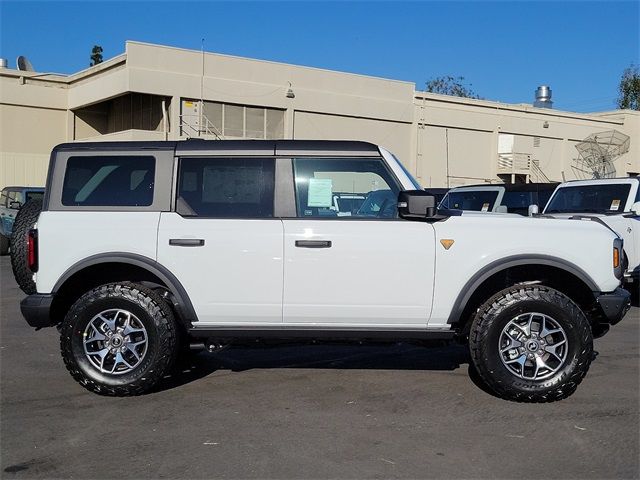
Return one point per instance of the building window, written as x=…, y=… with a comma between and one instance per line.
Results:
x=232, y=121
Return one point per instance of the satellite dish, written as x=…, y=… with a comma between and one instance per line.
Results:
x=24, y=64
x=598, y=152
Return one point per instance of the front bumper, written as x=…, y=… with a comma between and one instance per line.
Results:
x=36, y=310
x=614, y=305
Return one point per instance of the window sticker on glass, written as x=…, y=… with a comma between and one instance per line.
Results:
x=615, y=205
x=485, y=207
x=320, y=192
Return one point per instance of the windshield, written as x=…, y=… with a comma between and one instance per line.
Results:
x=590, y=199
x=479, y=200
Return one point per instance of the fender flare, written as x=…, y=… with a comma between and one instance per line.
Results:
x=497, y=266
x=181, y=298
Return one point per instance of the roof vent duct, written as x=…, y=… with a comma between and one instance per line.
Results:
x=543, y=97
x=3, y=63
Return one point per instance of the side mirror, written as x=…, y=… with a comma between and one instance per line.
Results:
x=416, y=204
x=502, y=209
x=534, y=210
x=635, y=209
x=15, y=205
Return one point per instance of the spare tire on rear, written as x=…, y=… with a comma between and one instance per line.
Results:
x=25, y=221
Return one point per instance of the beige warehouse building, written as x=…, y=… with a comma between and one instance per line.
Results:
x=154, y=92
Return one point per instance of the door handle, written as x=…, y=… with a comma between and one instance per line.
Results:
x=186, y=242
x=313, y=243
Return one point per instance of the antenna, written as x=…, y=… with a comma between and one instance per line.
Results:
x=201, y=88
x=202, y=76
x=598, y=152
x=24, y=64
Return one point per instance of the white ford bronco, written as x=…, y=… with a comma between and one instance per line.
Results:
x=142, y=247
x=615, y=202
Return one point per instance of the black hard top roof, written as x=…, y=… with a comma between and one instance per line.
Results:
x=242, y=147
x=18, y=187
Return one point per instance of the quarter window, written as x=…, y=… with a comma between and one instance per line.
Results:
x=226, y=187
x=3, y=198
x=109, y=181
x=344, y=188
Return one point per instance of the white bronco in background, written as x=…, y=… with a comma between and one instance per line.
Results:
x=616, y=202
x=141, y=246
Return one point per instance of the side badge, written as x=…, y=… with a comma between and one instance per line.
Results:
x=446, y=243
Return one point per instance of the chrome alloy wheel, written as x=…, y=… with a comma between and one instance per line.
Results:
x=533, y=346
x=115, y=341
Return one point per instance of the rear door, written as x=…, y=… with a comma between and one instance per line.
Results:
x=222, y=240
x=368, y=269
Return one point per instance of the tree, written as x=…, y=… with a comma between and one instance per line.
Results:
x=96, y=55
x=629, y=89
x=449, y=85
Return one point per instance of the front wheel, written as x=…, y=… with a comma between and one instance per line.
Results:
x=119, y=339
x=531, y=344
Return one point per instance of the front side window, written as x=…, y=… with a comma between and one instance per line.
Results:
x=226, y=187
x=345, y=188
x=109, y=181
x=590, y=199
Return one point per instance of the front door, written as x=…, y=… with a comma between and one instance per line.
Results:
x=359, y=267
x=222, y=241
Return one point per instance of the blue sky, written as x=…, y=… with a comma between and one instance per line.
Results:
x=504, y=49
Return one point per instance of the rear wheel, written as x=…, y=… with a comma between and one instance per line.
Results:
x=531, y=344
x=25, y=221
x=119, y=339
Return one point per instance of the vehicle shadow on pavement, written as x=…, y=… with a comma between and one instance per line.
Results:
x=399, y=356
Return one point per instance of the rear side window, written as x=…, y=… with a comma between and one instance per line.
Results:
x=34, y=196
x=226, y=187
x=109, y=181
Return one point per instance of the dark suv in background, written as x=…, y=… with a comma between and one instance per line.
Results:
x=11, y=200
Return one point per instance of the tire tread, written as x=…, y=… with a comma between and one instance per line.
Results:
x=166, y=330
x=488, y=314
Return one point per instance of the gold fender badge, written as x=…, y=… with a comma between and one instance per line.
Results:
x=446, y=243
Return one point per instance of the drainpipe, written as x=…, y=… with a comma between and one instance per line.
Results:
x=164, y=119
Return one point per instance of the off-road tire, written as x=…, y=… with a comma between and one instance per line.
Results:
x=487, y=327
x=25, y=221
x=4, y=245
x=156, y=317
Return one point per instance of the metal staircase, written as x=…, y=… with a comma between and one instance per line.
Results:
x=520, y=166
x=199, y=126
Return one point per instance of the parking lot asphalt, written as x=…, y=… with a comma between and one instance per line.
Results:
x=317, y=411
